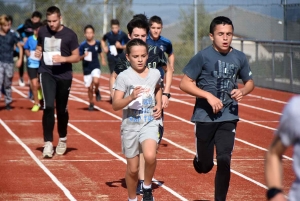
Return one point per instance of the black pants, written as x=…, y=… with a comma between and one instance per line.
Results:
x=57, y=90
x=220, y=134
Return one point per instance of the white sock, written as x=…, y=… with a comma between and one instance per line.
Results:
x=63, y=139
x=146, y=186
x=135, y=199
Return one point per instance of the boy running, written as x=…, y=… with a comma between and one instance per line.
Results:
x=89, y=51
x=8, y=40
x=287, y=135
x=108, y=44
x=154, y=38
x=138, y=93
x=33, y=64
x=211, y=76
x=24, y=31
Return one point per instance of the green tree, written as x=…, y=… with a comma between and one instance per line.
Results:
x=203, y=19
x=18, y=12
x=185, y=50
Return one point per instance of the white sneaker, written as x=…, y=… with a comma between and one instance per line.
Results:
x=21, y=82
x=61, y=147
x=48, y=150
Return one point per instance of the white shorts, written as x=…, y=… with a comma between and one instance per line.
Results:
x=88, y=79
x=131, y=140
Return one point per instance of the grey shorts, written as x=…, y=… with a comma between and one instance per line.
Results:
x=131, y=140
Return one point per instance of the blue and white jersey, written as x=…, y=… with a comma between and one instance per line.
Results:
x=162, y=43
x=112, y=38
x=95, y=50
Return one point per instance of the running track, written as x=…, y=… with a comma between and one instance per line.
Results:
x=94, y=167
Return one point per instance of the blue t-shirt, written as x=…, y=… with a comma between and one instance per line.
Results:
x=30, y=45
x=163, y=43
x=112, y=38
x=89, y=66
x=217, y=73
x=7, y=43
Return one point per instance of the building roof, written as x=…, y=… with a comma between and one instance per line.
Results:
x=249, y=24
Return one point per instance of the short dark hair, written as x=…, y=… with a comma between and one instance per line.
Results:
x=89, y=27
x=37, y=25
x=36, y=14
x=155, y=19
x=135, y=42
x=53, y=9
x=137, y=23
x=219, y=20
x=141, y=16
x=114, y=22
x=10, y=18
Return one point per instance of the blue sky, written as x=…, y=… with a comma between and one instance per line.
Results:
x=169, y=10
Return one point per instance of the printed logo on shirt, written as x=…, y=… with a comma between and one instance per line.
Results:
x=96, y=48
x=52, y=44
x=161, y=47
x=226, y=77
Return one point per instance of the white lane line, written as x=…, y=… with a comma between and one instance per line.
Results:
x=258, y=108
x=124, y=160
x=251, y=95
x=189, y=151
x=268, y=99
x=113, y=153
x=40, y=164
x=87, y=121
x=238, y=139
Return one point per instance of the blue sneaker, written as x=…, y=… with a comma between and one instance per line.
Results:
x=139, y=188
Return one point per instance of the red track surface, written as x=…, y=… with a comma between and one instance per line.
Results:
x=94, y=168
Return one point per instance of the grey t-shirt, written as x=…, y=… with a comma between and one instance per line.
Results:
x=140, y=111
x=217, y=73
x=289, y=133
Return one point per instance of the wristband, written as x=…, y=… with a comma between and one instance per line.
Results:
x=271, y=192
x=167, y=94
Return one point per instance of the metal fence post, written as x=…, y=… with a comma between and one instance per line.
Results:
x=242, y=45
x=273, y=65
x=291, y=69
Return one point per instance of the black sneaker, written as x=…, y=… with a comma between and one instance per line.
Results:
x=98, y=96
x=139, y=188
x=8, y=107
x=147, y=195
x=91, y=107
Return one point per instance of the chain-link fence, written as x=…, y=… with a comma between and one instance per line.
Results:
x=253, y=19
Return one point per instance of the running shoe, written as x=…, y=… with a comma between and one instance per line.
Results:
x=21, y=82
x=98, y=96
x=48, y=150
x=36, y=107
x=61, y=147
x=91, y=107
x=147, y=195
x=8, y=107
x=139, y=188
